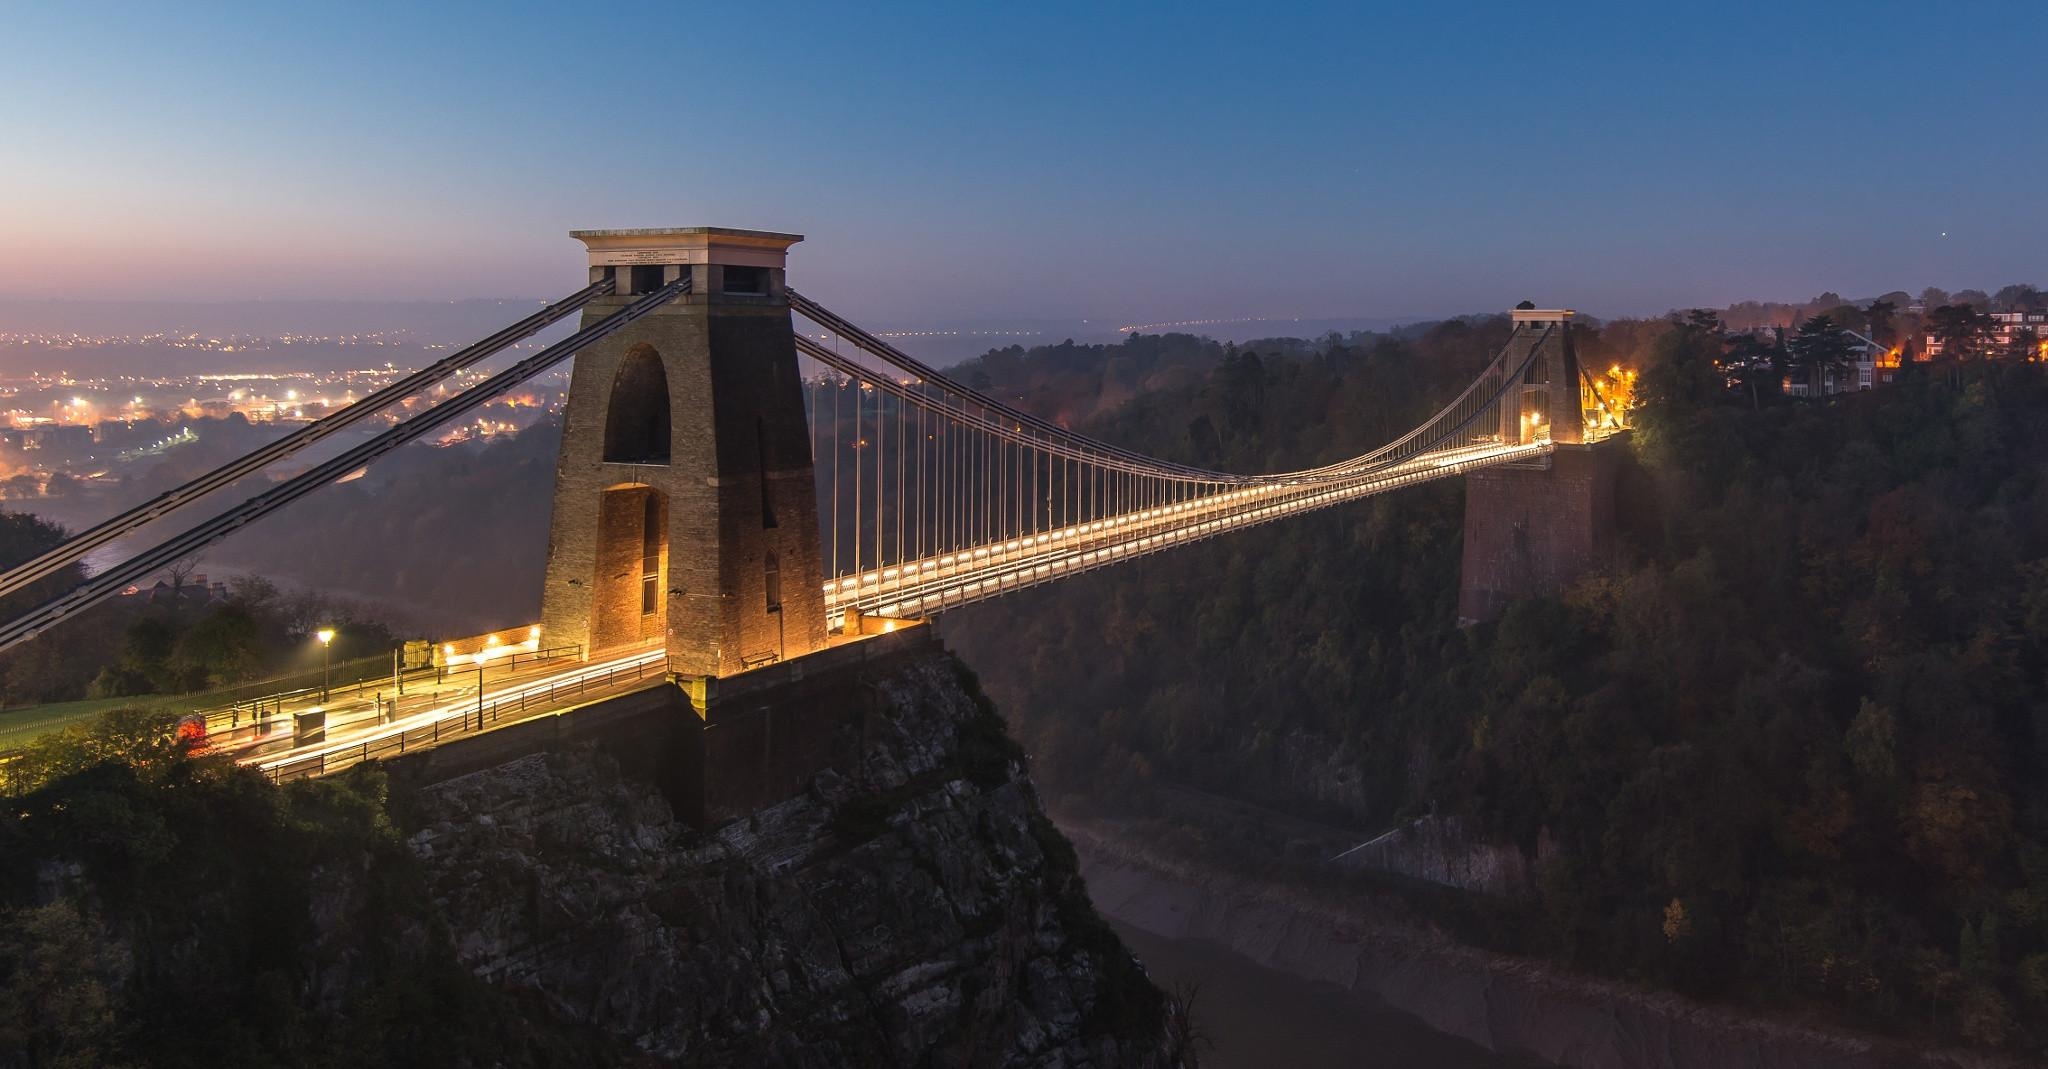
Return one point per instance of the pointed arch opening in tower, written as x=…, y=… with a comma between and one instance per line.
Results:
x=630, y=607
x=636, y=425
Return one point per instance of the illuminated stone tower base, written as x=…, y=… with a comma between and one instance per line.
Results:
x=1534, y=528
x=685, y=512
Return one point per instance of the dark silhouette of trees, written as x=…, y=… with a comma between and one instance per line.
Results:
x=1820, y=348
x=2024, y=343
x=2018, y=297
x=1758, y=363
x=1786, y=749
x=1964, y=332
x=1881, y=315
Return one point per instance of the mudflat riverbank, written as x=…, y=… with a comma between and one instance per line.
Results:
x=1521, y=1010
x=1252, y=1017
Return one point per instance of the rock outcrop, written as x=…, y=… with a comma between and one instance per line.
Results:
x=1442, y=851
x=916, y=910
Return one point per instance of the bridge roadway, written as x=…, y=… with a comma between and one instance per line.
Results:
x=918, y=588
x=357, y=731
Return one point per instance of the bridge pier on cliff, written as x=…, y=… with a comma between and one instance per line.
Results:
x=1536, y=526
x=1533, y=530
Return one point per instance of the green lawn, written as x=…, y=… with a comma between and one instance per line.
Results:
x=19, y=727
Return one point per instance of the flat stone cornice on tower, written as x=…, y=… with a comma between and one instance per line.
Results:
x=686, y=245
x=744, y=237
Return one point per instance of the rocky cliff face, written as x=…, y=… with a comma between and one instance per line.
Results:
x=1443, y=851
x=916, y=910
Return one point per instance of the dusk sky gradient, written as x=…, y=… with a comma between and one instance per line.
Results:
x=956, y=161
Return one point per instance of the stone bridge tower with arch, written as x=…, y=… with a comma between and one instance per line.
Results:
x=685, y=511
x=1535, y=528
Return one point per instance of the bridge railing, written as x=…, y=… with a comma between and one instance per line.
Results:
x=456, y=724
x=253, y=714
x=922, y=594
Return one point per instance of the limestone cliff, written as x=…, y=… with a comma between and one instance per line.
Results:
x=910, y=906
x=916, y=910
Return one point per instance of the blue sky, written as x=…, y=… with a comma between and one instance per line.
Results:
x=954, y=161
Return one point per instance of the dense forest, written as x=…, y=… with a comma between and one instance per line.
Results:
x=185, y=638
x=1787, y=748
x=165, y=909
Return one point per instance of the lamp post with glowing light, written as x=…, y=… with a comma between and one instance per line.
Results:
x=326, y=637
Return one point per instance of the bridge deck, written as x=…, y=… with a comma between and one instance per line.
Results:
x=919, y=588
x=509, y=702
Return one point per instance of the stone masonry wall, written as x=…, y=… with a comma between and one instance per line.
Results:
x=1532, y=531
x=739, y=456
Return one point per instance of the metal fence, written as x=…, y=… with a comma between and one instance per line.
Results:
x=258, y=709
x=502, y=709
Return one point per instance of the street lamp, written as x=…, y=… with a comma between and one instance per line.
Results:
x=326, y=637
x=480, y=658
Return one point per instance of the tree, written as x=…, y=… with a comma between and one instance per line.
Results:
x=179, y=574
x=225, y=646
x=1963, y=331
x=2023, y=344
x=142, y=739
x=2018, y=297
x=1848, y=317
x=23, y=537
x=1681, y=379
x=1683, y=370
x=1759, y=364
x=1880, y=315
x=56, y=1008
x=1821, y=346
x=1243, y=379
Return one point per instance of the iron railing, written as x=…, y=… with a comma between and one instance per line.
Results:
x=492, y=711
x=257, y=712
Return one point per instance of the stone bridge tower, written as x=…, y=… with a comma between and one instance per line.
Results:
x=685, y=512
x=1533, y=528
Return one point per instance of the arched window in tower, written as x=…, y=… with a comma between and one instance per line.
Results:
x=636, y=426
x=771, y=570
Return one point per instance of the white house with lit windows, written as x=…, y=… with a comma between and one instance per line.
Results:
x=2005, y=327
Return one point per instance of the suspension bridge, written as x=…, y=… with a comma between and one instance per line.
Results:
x=734, y=492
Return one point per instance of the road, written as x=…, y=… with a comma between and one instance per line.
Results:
x=433, y=712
